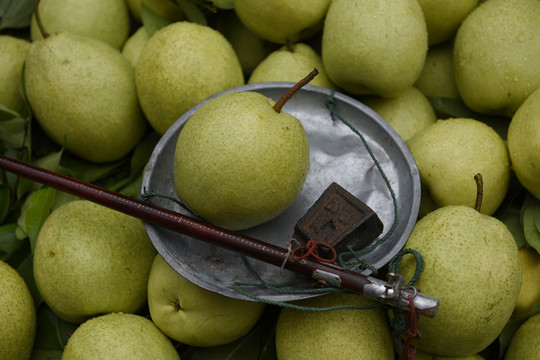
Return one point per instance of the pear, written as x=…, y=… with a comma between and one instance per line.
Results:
x=443, y=18
x=18, y=315
x=119, y=336
x=530, y=289
x=437, y=76
x=181, y=65
x=12, y=55
x=134, y=45
x=422, y=355
x=525, y=343
x=239, y=162
x=291, y=63
x=282, y=21
x=82, y=93
x=104, y=20
x=407, y=113
x=338, y=334
x=90, y=260
x=449, y=153
x=374, y=48
x=495, y=55
x=472, y=265
x=524, y=143
x=194, y=316
x=166, y=9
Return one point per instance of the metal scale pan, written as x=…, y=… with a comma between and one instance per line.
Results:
x=337, y=155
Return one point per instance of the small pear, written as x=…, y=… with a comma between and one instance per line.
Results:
x=530, y=289
x=82, y=92
x=282, y=21
x=291, y=63
x=104, y=20
x=525, y=343
x=134, y=45
x=181, y=65
x=12, y=55
x=437, y=76
x=374, y=48
x=167, y=9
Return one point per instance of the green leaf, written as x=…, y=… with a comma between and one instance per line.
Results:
x=224, y=4
x=512, y=221
x=40, y=354
x=152, y=22
x=88, y=171
x=9, y=243
x=52, y=333
x=192, y=11
x=15, y=13
x=26, y=270
x=35, y=210
x=13, y=128
x=528, y=210
x=5, y=199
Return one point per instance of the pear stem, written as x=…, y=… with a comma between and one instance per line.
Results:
x=479, y=191
x=289, y=94
x=44, y=32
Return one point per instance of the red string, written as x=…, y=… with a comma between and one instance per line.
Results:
x=409, y=352
x=312, y=249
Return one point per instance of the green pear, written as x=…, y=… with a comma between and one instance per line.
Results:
x=181, y=65
x=422, y=355
x=282, y=21
x=12, y=55
x=495, y=55
x=524, y=143
x=530, y=288
x=449, y=153
x=525, y=343
x=437, y=76
x=167, y=9
x=443, y=18
x=119, y=336
x=104, y=20
x=18, y=315
x=374, y=48
x=134, y=44
x=89, y=260
x=238, y=162
x=291, y=63
x=472, y=265
x=195, y=316
x=250, y=48
x=337, y=334
x=82, y=93
x=408, y=113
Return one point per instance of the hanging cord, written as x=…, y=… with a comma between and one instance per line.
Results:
x=355, y=265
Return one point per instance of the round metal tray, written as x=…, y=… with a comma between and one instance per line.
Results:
x=337, y=154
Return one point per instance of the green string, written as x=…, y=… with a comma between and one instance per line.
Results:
x=393, y=264
x=146, y=196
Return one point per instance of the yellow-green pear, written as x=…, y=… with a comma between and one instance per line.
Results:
x=104, y=20
x=495, y=55
x=449, y=153
x=525, y=343
x=291, y=63
x=134, y=44
x=82, y=93
x=18, y=315
x=181, y=65
x=12, y=55
x=195, y=316
x=422, y=355
x=524, y=143
x=167, y=9
x=238, y=162
x=530, y=288
x=338, y=334
x=90, y=260
x=407, y=113
x=119, y=336
x=437, y=76
x=282, y=21
x=443, y=18
x=374, y=48
x=472, y=265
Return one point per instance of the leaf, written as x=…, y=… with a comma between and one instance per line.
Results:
x=52, y=333
x=5, y=199
x=16, y=13
x=40, y=354
x=26, y=270
x=512, y=221
x=532, y=235
x=537, y=215
x=193, y=12
x=9, y=243
x=12, y=128
x=152, y=22
x=88, y=171
x=224, y=4
x=35, y=210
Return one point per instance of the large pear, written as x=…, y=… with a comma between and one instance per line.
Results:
x=238, y=162
x=374, y=47
x=472, y=265
x=181, y=65
x=82, y=93
x=12, y=55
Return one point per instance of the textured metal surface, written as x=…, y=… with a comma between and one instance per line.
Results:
x=337, y=155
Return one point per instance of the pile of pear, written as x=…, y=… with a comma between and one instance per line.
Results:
x=97, y=80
